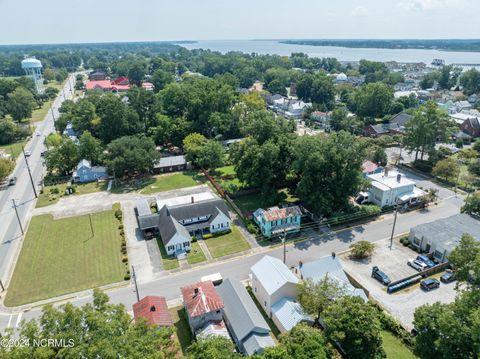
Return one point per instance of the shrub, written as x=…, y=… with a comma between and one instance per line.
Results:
x=221, y=233
x=124, y=259
x=362, y=249
x=127, y=276
x=252, y=228
x=194, y=239
x=122, y=232
x=118, y=214
x=54, y=190
x=207, y=236
x=120, y=226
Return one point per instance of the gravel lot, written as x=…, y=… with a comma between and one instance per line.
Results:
x=393, y=262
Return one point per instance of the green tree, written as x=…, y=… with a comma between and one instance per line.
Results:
x=160, y=79
x=276, y=87
x=465, y=258
x=89, y=148
x=136, y=73
x=51, y=92
x=317, y=89
x=362, y=249
x=143, y=103
x=373, y=99
x=447, y=169
x=380, y=157
x=83, y=115
x=316, y=296
x=338, y=119
x=192, y=145
x=98, y=330
x=62, y=158
x=49, y=74
x=114, y=120
x=131, y=154
x=20, y=104
x=472, y=204
x=211, y=155
x=6, y=167
x=304, y=342
x=355, y=325
x=215, y=347
x=470, y=80
x=329, y=170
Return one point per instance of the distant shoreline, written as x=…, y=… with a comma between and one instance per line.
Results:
x=439, y=45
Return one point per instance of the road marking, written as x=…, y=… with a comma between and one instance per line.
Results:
x=19, y=319
x=10, y=321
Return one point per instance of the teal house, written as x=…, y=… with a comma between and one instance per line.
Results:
x=275, y=220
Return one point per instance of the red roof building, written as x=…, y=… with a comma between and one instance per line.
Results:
x=122, y=80
x=154, y=309
x=201, y=298
x=369, y=167
x=120, y=84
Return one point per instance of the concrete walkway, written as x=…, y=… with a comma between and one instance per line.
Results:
x=205, y=250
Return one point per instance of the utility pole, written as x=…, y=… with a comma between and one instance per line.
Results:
x=29, y=172
x=18, y=217
x=135, y=281
x=394, y=223
x=53, y=115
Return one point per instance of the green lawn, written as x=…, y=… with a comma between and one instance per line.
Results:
x=226, y=244
x=48, y=195
x=167, y=262
x=160, y=183
x=184, y=335
x=14, y=149
x=394, y=347
x=66, y=255
x=226, y=171
x=196, y=254
x=254, y=201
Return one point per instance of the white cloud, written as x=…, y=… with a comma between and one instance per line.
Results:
x=428, y=4
x=360, y=11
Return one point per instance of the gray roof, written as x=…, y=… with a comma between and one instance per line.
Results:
x=383, y=128
x=462, y=135
x=448, y=231
x=243, y=317
x=198, y=209
x=273, y=274
x=170, y=161
x=169, y=226
x=289, y=312
x=401, y=119
x=143, y=208
x=331, y=267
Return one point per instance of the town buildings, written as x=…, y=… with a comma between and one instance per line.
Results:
x=85, y=172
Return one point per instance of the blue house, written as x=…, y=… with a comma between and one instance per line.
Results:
x=275, y=221
x=87, y=173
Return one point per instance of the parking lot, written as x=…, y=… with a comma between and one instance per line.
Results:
x=393, y=262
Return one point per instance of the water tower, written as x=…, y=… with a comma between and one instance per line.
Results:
x=33, y=69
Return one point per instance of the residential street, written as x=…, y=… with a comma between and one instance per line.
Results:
x=22, y=192
x=318, y=246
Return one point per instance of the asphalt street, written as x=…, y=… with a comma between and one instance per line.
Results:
x=22, y=191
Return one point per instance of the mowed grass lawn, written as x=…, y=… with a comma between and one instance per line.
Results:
x=64, y=256
x=160, y=183
x=196, y=254
x=394, y=347
x=14, y=149
x=167, y=262
x=48, y=195
x=226, y=244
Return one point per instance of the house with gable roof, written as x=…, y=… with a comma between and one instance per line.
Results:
x=85, y=172
x=275, y=220
x=154, y=310
x=202, y=304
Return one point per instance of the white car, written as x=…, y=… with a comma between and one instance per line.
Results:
x=28, y=153
x=416, y=264
x=38, y=133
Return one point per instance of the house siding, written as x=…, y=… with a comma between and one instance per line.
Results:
x=177, y=243
x=220, y=223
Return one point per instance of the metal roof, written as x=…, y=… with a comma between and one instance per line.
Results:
x=448, y=231
x=170, y=161
x=201, y=298
x=243, y=317
x=154, y=309
x=289, y=313
x=143, y=208
x=273, y=274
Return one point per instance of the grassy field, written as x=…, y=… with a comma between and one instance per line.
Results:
x=226, y=244
x=184, y=335
x=394, y=347
x=66, y=255
x=167, y=262
x=14, y=149
x=226, y=171
x=48, y=195
x=196, y=254
x=161, y=183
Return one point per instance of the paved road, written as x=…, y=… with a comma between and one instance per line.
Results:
x=169, y=285
x=22, y=192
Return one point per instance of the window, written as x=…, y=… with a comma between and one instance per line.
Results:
x=416, y=241
x=265, y=304
x=438, y=255
x=186, y=244
x=255, y=289
x=218, y=312
x=222, y=225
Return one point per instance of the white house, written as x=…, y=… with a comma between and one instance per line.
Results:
x=275, y=288
x=391, y=187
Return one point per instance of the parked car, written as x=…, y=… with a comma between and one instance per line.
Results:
x=416, y=264
x=216, y=278
x=28, y=153
x=429, y=284
x=38, y=133
x=426, y=260
x=12, y=181
x=380, y=276
x=447, y=277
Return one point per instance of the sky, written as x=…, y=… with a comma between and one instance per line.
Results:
x=72, y=21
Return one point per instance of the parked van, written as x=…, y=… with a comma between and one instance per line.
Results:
x=216, y=278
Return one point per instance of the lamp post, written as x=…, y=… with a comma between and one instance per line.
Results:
x=284, y=241
x=394, y=223
x=135, y=281
x=29, y=172
x=18, y=217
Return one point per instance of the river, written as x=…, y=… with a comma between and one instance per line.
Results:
x=341, y=53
